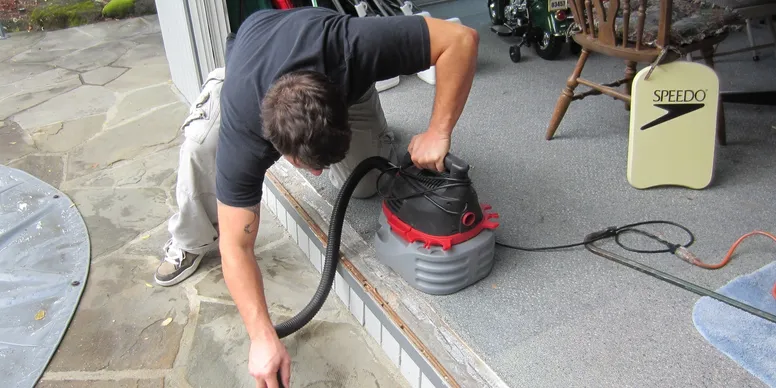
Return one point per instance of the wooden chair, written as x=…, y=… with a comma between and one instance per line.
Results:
x=639, y=31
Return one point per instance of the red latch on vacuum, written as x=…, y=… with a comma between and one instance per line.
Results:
x=411, y=235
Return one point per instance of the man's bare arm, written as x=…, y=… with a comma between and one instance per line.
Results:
x=454, y=53
x=238, y=229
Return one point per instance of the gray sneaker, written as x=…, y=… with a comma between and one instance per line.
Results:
x=176, y=266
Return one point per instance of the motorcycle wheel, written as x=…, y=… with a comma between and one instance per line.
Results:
x=495, y=11
x=548, y=47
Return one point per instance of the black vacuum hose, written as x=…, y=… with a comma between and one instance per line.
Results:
x=333, y=246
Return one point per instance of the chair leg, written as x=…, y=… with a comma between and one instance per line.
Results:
x=630, y=72
x=755, y=55
x=708, y=57
x=721, y=134
x=565, y=96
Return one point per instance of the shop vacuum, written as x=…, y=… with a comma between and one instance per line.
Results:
x=433, y=231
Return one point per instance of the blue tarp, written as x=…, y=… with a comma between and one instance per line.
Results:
x=44, y=263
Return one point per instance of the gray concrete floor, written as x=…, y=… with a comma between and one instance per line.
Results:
x=569, y=318
x=91, y=111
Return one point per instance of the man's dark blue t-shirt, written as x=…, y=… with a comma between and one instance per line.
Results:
x=353, y=52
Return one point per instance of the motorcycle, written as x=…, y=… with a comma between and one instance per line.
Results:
x=544, y=24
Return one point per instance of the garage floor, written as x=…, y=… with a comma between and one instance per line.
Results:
x=570, y=318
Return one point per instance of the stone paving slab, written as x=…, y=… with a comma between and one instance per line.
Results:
x=19, y=44
x=123, y=383
x=91, y=110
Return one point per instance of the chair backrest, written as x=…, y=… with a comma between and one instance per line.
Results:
x=597, y=20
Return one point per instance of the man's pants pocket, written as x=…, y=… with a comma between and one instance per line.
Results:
x=205, y=113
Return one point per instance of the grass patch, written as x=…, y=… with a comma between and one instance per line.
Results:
x=49, y=15
x=57, y=16
x=119, y=8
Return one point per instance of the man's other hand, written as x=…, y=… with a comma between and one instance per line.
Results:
x=428, y=149
x=267, y=355
x=266, y=358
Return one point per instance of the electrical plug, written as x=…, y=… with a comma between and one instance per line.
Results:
x=685, y=254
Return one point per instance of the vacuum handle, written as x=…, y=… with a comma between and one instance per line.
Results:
x=453, y=164
x=456, y=166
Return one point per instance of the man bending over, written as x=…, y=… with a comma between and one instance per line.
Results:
x=299, y=84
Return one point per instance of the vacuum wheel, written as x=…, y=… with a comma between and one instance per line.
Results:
x=514, y=53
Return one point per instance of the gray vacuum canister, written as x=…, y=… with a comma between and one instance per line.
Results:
x=433, y=270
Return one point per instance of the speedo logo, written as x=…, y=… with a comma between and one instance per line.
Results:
x=676, y=103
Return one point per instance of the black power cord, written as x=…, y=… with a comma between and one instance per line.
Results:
x=616, y=232
x=676, y=249
x=420, y=184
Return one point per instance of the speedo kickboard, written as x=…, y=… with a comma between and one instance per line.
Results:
x=673, y=123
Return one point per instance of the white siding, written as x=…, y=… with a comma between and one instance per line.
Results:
x=179, y=46
x=194, y=33
x=208, y=19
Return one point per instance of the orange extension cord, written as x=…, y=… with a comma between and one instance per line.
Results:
x=692, y=259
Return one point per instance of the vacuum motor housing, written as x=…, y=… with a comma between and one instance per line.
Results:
x=433, y=230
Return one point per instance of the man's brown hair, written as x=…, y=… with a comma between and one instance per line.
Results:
x=305, y=117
